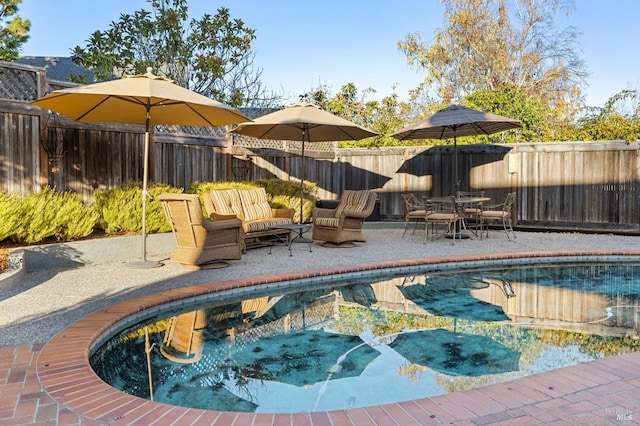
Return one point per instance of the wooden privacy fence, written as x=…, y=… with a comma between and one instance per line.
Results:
x=570, y=185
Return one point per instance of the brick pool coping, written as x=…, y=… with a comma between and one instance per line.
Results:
x=61, y=385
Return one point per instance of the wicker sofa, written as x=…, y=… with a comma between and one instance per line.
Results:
x=342, y=226
x=252, y=208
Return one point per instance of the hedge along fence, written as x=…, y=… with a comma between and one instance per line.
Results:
x=569, y=185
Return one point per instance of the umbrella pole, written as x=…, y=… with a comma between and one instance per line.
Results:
x=144, y=263
x=144, y=196
x=147, y=350
x=302, y=178
x=455, y=164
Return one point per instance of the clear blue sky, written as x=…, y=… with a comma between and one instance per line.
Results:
x=301, y=44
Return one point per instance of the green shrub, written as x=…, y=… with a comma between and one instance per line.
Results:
x=9, y=214
x=62, y=215
x=156, y=220
x=289, y=188
x=120, y=208
x=286, y=194
x=287, y=202
x=202, y=188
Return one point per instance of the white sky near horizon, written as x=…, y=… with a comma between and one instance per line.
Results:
x=302, y=44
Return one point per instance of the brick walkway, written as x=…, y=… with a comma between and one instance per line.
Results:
x=22, y=399
x=53, y=384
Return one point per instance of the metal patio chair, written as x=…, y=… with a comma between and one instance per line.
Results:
x=472, y=211
x=440, y=213
x=501, y=212
x=414, y=210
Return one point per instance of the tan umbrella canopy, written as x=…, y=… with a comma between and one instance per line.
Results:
x=305, y=123
x=141, y=99
x=454, y=121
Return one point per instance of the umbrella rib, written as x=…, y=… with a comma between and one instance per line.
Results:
x=479, y=128
x=148, y=105
x=197, y=113
x=90, y=110
x=132, y=100
x=342, y=130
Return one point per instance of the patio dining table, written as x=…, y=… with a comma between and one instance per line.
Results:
x=461, y=203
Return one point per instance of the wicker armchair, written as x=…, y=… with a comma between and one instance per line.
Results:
x=342, y=226
x=200, y=241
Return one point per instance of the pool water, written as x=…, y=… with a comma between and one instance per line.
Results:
x=358, y=342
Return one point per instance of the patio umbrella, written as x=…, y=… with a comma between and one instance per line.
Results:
x=454, y=121
x=456, y=354
x=306, y=123
x=141, y=99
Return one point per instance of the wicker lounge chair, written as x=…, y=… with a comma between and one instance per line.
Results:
x=342, y=226
x=200, y=241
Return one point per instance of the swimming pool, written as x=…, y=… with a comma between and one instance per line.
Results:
x=65, y=375
x=428, y=331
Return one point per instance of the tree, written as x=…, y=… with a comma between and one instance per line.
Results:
x=14, y=31
x=619, y=119
x=486, y=45
x=211, y=55
x=384, y=116
x=511, y=101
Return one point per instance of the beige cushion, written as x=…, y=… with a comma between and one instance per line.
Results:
x=227, y=202
x=498, y=214
x=417, y=213
x=255, y=205
x=265, y=224
x=216, y=216
x=352, y=201
x=328, y=222
x=441, y=216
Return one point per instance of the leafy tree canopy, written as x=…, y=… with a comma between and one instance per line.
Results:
x=14, y=31
x=487, y=45
x=211, y=55
x=619, y=119
x=511, y=101
x=384, y=116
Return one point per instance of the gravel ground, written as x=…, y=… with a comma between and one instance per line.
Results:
x=68, y=281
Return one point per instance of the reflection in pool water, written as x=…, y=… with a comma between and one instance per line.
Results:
x=367, y=342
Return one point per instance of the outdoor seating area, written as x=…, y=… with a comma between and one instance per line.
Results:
x=465, y=215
